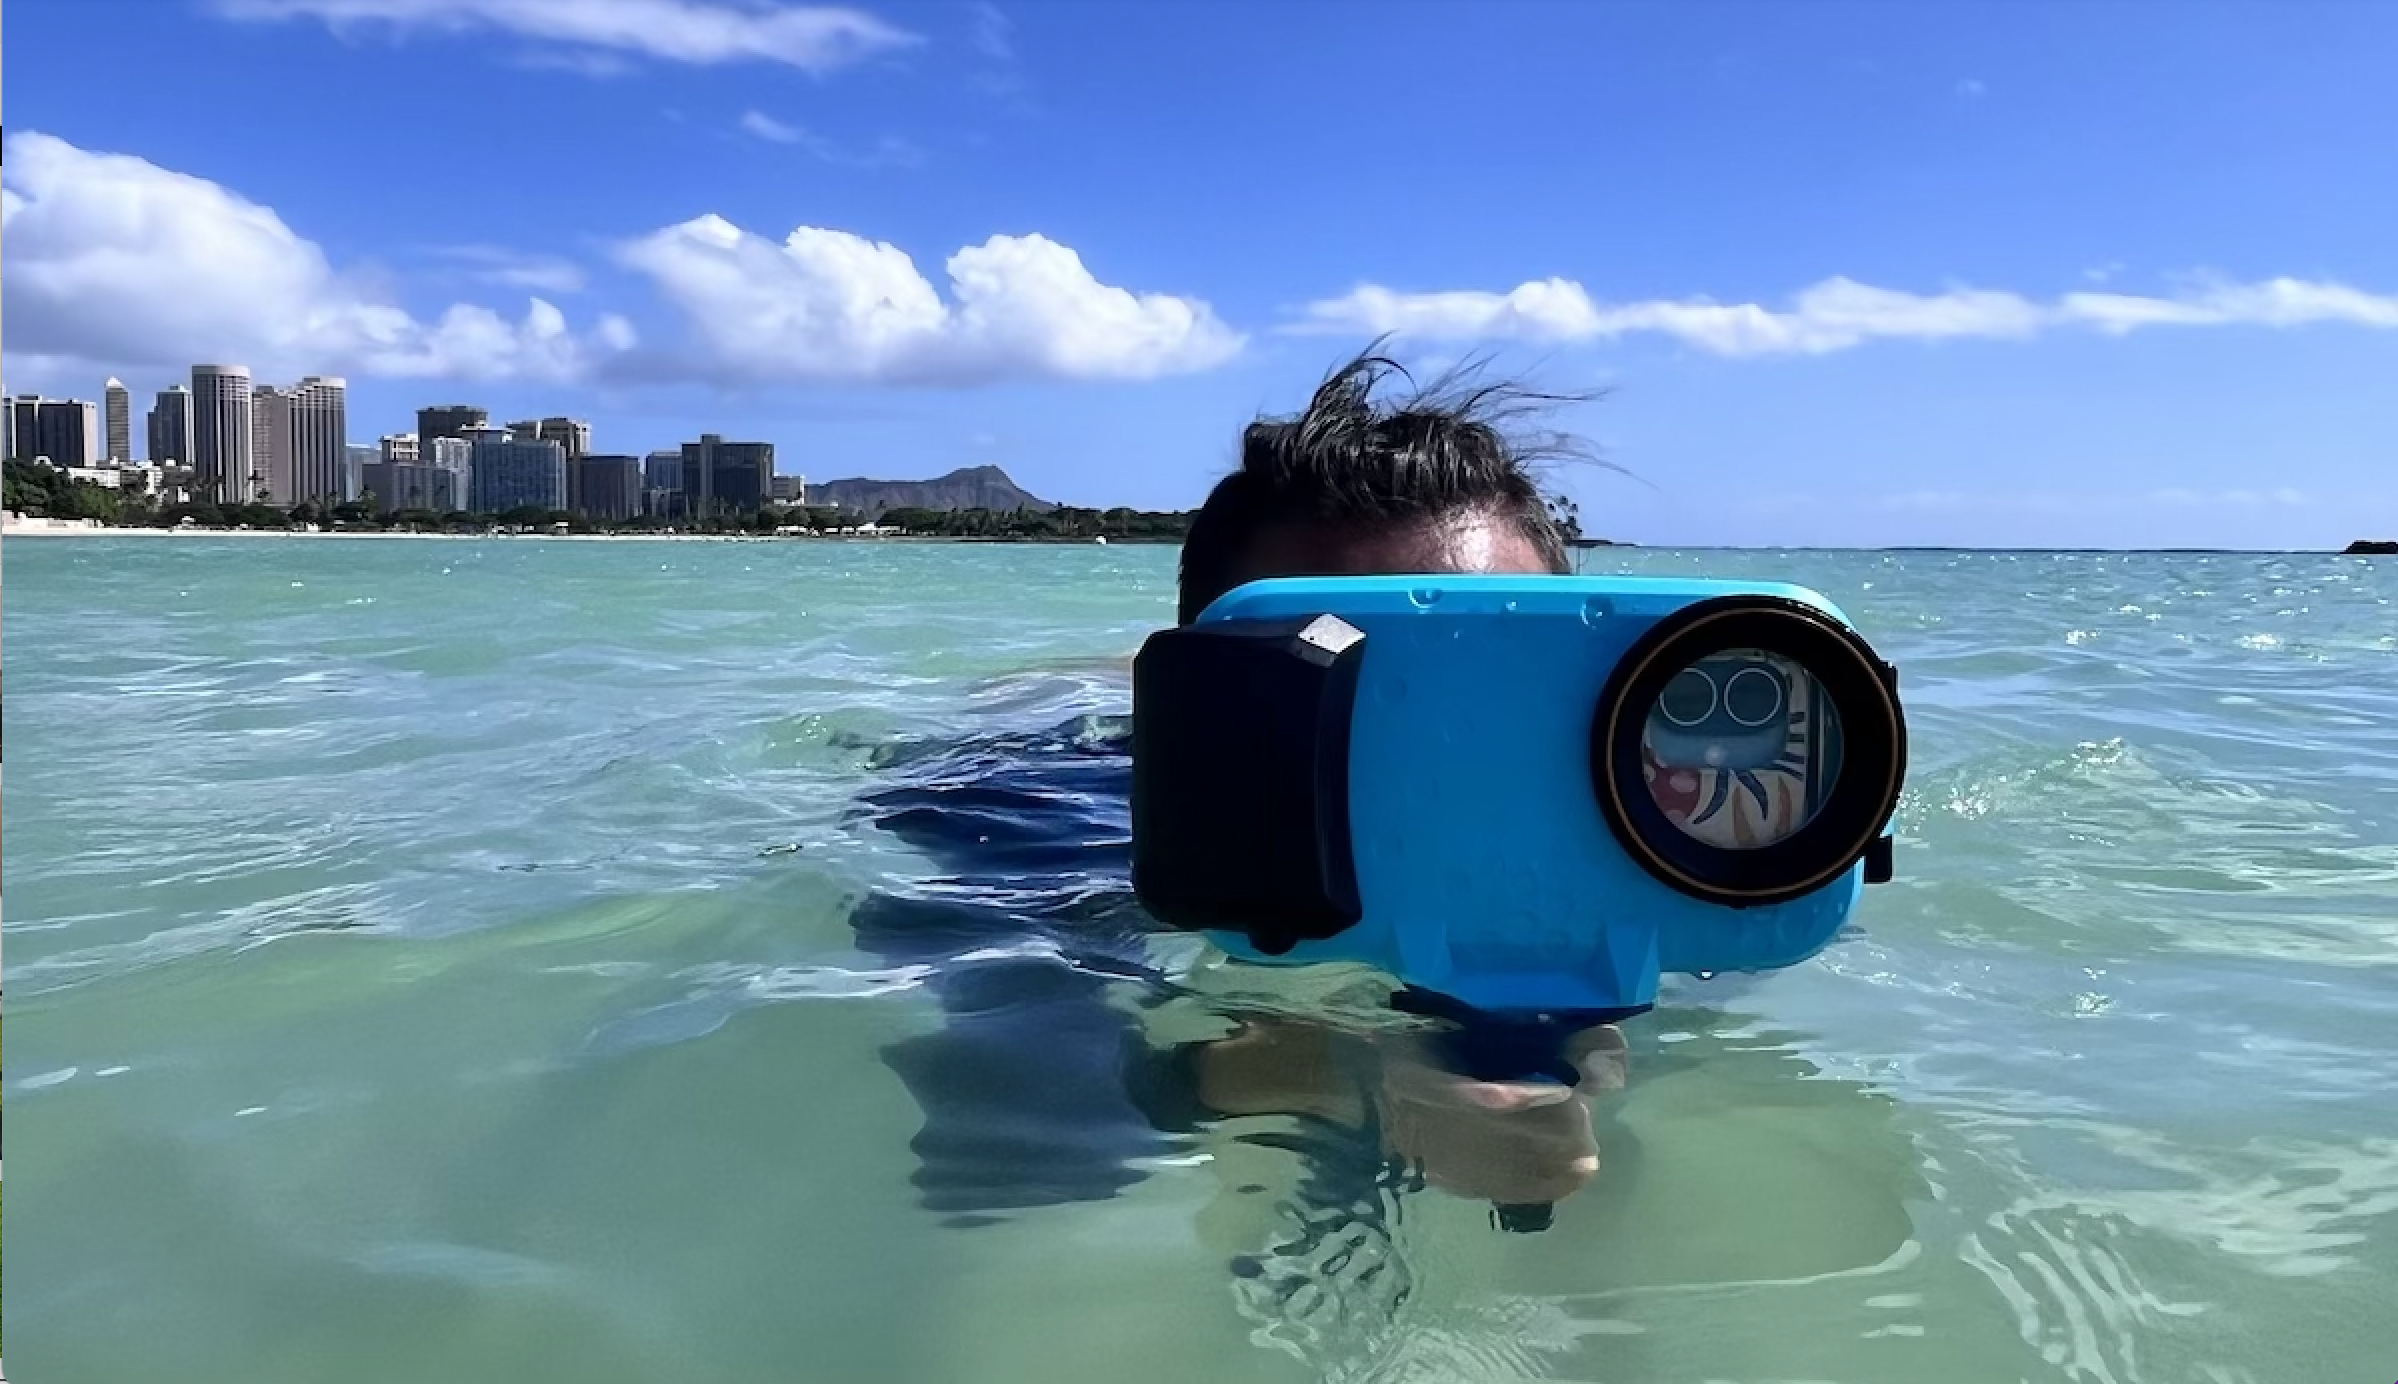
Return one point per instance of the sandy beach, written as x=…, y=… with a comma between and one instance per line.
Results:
x=24, y=529
x=21, y=530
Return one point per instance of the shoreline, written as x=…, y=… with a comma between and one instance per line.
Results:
x=24, y=530
x=133, y=531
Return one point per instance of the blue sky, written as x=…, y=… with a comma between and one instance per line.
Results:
x=2119, y=275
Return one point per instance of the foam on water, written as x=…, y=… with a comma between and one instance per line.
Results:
x=493, y=961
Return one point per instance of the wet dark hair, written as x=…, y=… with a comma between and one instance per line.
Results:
x=1352, y=463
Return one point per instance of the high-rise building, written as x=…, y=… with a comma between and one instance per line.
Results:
x=222, y=416
x=608, y=487
x=8, y=431
x=171, y=425
x=512, y=473
x=75, y=427
x=354, y=461
x=454, y=455
x=449, y=420
x=790, y=490
x=398, y=485
x=726, y=478
x=118, y=401
x=270, y=445
x=444, y=490
x=320, y=427
x=378, y=489
x=662, y=483
x=450, y=456
x=67, y=431
x=573, y=434
x=25, y=426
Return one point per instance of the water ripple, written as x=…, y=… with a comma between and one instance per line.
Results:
x=472, y=925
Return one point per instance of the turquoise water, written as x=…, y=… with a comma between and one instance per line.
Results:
x=440, y=960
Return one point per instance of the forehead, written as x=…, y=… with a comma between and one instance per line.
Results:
x=1461, y=543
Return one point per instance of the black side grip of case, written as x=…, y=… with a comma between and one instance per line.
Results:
x=1240, y=778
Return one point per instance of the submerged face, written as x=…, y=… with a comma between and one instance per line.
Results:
x=1472, y=542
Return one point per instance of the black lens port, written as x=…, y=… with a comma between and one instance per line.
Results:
x=1658, y=672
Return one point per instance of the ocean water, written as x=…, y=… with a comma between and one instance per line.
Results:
x=443, y=960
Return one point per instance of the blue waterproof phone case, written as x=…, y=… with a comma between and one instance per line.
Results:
x=1518, y=793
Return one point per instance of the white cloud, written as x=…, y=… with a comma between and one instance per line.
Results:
x=992, y=36
x=766, y=127
x=2273, y=303
x=583, y=62
x=509, y=269
x=890, y=151
x=994, y=33
x=826, y=305
x=116, y=262
x=812, y=38
x=1973, y=89
x=1833, y=315
x=1549, y=310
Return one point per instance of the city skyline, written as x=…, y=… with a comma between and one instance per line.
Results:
x=574, y=433
x=243, y=440
x=1840, y=273
x=298, y=436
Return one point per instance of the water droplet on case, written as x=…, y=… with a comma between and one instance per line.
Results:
x=1425, y=597
x=1596, y=610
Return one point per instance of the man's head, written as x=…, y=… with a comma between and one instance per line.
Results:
x=1354, y=486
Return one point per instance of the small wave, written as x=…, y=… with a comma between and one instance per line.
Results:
x=2082, y=1271
x=718, y=991
x=470, y=1265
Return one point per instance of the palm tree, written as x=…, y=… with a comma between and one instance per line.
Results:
x=1567, y=516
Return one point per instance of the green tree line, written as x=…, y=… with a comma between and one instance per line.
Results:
x=38, y=488
x=1063, y=523
x=41, y=489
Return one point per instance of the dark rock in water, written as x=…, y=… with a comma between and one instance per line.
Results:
x=975, y=487
x=2381, y=547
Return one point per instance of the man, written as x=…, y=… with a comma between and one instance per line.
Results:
x=1352, y=487
x=1038, y=1090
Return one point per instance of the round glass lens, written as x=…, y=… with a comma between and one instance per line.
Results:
x=1689, y=699
x=1741, y=749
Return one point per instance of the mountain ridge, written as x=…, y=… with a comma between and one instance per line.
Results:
x=968, y=487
